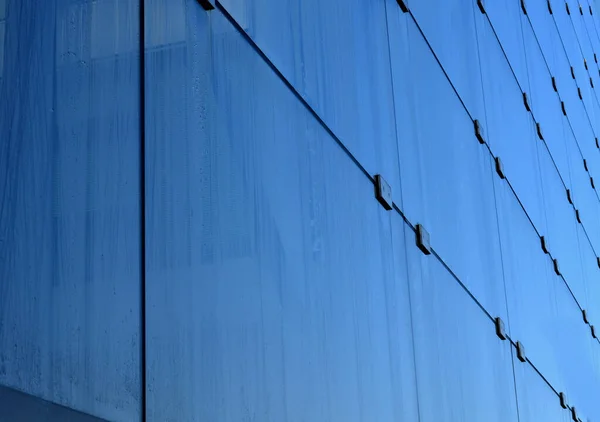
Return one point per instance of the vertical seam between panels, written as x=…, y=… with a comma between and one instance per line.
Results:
x=387, y=35
x=408, y=228
x=512, y=361
x=142, y=186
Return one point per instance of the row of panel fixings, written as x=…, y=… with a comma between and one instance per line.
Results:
x=501, y=333
x=383, y=193
x=541, y=136
x=546, y=250
x=579, y=93
x=479, y=134
x=568, y=9
x=564, y=111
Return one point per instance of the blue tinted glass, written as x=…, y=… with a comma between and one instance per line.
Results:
x=546, y=105
x=69, y=205
x=584, y=196
x=266, y=301
x=464, y=370
x=542, y=24
x=582, y=36
x=505, y=18
x=591, y=300
x=537, y=401
x=511, y=129
x=446, y=173
x=564, y=23
x=449, y=27
x=562, y=225
x=337, y=58
x=540, y=305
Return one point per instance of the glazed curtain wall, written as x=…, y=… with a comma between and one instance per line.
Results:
x=192, y=233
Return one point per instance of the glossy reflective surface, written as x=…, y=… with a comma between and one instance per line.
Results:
x=70, y=205
x=189, y=229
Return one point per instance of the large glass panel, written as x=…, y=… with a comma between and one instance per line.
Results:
x=591, y=273
x=336, y=55
x=449, y=27
x=69, y=205
x=526, y=273
x=511, y=130
x=537, y=401
x=539, y=304
x=543, y=314
x=573, y=346
x=277, y=285
x=564, y=23
x=561, y=222
x=464, y=371
x=543, y=27
x=546, y=105
x=505, y=17
x=446, y=173
x=583, y=40
x=584, y=196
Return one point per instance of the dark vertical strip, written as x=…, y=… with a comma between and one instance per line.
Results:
x=142, y=211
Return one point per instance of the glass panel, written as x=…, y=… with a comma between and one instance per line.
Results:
x=505, y=17
x=446, y=173
x=543, y=314
x=69, y=207
x=464, y=371
x=584, y=196
x=574, y=351
x=562, y=230
x=546, y=105
x=537, y=401
x=277, y=285
x=591, y=300
x=564, y=23
x=544, y=28
x=337, y=56
x=2, y=32
x=583, y=40
x=511, y=129
x=449, y=27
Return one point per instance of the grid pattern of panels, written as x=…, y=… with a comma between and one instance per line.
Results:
x=358, y=211
x=477, y=124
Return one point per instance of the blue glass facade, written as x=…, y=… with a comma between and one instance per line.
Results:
x=189, y=227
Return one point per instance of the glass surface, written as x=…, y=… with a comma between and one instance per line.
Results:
x=564, y=23
x=69, y=205
x=546, y=105
x=542, y=24
x=505, y=18
x=561, y=221
x=277, y=285
x=543, y=314
x=537, y=401
x=583, y=40
x=336, y=55
x=464, y=371
x=591, y=272
x=449, y=27
x=584, y=196
x=510, y=127
x=446, y=174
